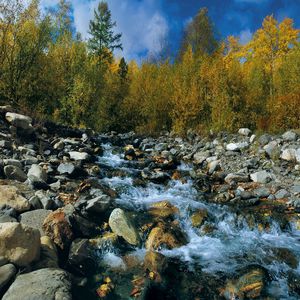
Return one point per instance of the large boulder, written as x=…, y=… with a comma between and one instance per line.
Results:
x=15, y=173
x=35, y=219
x=121, y=225
x=19, y=121
x=10, y=195
x=20, y=244
x=43, y=284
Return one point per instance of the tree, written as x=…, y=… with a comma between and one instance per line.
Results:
x=103, y=41
x=200, y=35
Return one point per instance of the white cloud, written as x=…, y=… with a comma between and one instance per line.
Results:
x=141, y=23
x=245, y=36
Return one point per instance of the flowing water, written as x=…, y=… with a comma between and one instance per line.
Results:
x=231, y=246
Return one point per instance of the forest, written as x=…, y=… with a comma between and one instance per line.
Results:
x=49, y=71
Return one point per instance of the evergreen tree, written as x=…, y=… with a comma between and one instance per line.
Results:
x=200, y=35
x=103, y=40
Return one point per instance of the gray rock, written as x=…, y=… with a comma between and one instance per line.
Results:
x=272, y=149
x=37, y=173
x=289, y=136
x=7, y=272
x=252, y=138
x=237, y=146
x=35, y=219
x=121, y=225
x=236, y=177
x=282, y=194
x=46, y=200
x=261, y=192
x=43, y=284
x=264, y=139
x=15, y=173
x=66, y=168
x=295, y=189
x=244, y=131
x=288, y=154
x=20, y=244
x=201, y=156
x=12, y=162
x=18, y=120
x=99, y=204
x=297, y=155
x=59, y=145
x=262, y=176
x=79, y=155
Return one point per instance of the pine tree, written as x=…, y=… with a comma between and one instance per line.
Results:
x=103, y=40
x=200, y=35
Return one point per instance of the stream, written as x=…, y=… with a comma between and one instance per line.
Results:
x=231, y=246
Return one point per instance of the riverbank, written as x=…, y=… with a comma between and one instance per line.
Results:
x=118, y=216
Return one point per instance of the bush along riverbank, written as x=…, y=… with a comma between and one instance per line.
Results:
x=120, y=216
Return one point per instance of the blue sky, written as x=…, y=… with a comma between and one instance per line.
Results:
x=144, y=23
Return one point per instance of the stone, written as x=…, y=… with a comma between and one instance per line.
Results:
x=155, y=176
x=281, y=194
x=272, y=150
x=46, y=200
x=262, y=177
x=35, y=219
x=249, y=285
x=252, y=138
x=58, y=228
x=155, y=262
x=236, y=177
x=214, y=166
x=11, y=196
x=99, y=204
x=121, y=224
x=43, y=284
x=7, y=273
x=15, y=173
x=288, y=154
x=200, y=157
x=20, y=244
x=79, y=155
x=264, y=139
x=163, y=209
x=82, y=259
x=48, y=255
x=18, y=120
x=236, y=146
x=297, y=155
x=37, y=173
x=244, y=131
x=12, y=162
x=165, y=237
x=289, y=136
x=198, y=217
x=71, y=170
x=59, y=145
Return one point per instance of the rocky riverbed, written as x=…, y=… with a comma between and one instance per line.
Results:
x=122, y=216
